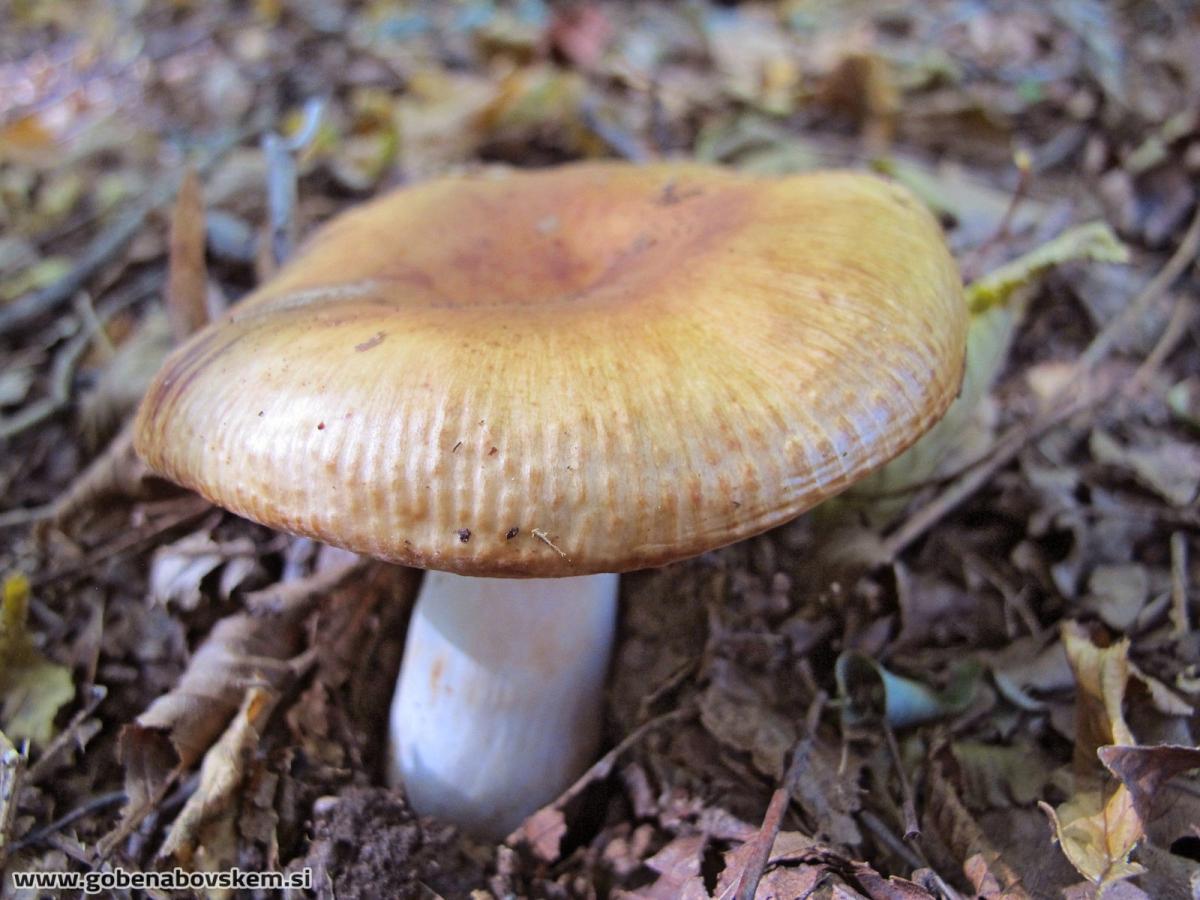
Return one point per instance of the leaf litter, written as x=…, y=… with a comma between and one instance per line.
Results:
x=1003, y=617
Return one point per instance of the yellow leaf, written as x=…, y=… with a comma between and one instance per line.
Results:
x=32, y=688
x=1097, y=836
x=1094, y=241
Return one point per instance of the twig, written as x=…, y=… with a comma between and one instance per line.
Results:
x=1184, y=256
x=599, y=770
x=545, y=539
x=94, y=805
x=759, y=847
x=26, y=515
x=1024, y=176
x=884, y=834
x=1002, y=452
x=287, y=598
x=106, y=245
x=1180, y=615
x=68, y=734
x=63, y=370
x=1176, y=330
x=191, y=507
x=912, y=828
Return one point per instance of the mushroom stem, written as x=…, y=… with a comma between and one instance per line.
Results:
x=498, y=704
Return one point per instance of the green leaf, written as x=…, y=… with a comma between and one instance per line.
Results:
x=1094, y=241
x=32, y=688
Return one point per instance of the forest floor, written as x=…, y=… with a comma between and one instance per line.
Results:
x=980, y=681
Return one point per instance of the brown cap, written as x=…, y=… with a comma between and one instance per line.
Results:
x=593, y=368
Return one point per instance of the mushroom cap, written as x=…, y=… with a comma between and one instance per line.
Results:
x=593, y=368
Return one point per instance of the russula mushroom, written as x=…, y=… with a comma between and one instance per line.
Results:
x=510, y=378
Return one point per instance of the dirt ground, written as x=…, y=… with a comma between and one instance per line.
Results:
x=973, y=676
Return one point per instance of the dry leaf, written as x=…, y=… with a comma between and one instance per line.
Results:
x=1098, y=827
x=1168, y=467
x=678, y=867
x=187, y=276
x=1094, y=241
x=944, y=810
x=177, y=569
x=1144, y=770
x=221, y=776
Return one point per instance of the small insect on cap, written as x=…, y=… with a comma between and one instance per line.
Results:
x=592, y=368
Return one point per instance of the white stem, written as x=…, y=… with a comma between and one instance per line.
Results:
x=499, y=702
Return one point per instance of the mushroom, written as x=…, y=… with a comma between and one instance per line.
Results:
x=528, y=381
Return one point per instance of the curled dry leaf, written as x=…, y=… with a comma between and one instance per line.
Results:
x=178, y=569
x=871, y=694
x=187, y=276
x=1098, y=827
x=221, y=776
x=1144, y=770
x=242, y=649
x=945, y=811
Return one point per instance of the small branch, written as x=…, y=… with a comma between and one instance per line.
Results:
x=912, y=827
x=63, y=371
x=759, y=847
x=68, y=734
x=1024, y=177
x=94, y=805
x=1181, y=623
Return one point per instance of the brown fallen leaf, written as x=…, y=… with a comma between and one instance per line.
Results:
x=945, y=811
x=1144, y=770
x=177, y=569
x=678, y=867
